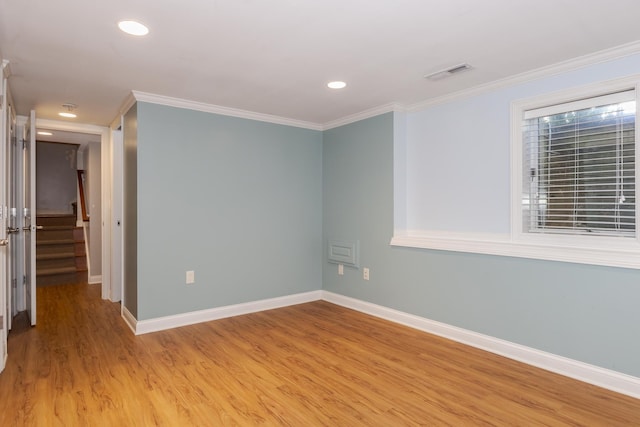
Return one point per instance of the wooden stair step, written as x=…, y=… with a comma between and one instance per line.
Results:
x=55, y=271
x=80, y=249
x=55, y=262
x=81, y=263
x=57, y=255
x=53, y=220
x=57, y=227
x=78, y=235
x=56, y=242
x=53, y=249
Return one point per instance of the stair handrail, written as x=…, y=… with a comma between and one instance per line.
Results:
x=83, y=203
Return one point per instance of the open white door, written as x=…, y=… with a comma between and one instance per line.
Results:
x=14, y=254
x=4, y=242
x=29, y=204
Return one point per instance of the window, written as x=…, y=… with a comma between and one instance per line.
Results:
x=573, y=171
x=579, y=167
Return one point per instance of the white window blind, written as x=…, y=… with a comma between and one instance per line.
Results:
x=579, y=167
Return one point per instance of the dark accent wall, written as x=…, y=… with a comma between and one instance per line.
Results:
x=130, y=223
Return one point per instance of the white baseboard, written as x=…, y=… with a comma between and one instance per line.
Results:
x=129, y=319
x=605, y=378
x=168, y=322
x=94, y=280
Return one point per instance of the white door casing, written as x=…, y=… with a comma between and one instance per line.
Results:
x=15, y=238
x=29, y=214
x=105, y=196
x=116, y=215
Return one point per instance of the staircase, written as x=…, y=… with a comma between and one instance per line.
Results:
x=60, y=251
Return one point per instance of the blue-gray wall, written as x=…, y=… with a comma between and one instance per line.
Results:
x=582, y=312
x=237, y=201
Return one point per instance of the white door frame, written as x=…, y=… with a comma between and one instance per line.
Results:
x=29, y=213
x=105, y=185
x=117, y=175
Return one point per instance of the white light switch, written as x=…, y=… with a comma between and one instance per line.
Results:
x=340, y=269
x=191, y=277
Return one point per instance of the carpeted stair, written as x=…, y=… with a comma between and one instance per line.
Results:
x=60, y=251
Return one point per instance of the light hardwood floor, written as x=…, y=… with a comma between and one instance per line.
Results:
x=306, y=365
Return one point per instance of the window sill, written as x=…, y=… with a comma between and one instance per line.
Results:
x=604, y=252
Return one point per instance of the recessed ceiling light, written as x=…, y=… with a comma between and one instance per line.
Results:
x=337, y=85
x=134, y=28
x=43, y=133
x=69, y=106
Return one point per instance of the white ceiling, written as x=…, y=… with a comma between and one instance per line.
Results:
x=275, y=57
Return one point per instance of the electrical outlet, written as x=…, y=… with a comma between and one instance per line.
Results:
x=340, y=269
x=365, y=273
x=191, y=277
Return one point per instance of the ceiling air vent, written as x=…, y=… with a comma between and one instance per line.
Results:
x=439, y=75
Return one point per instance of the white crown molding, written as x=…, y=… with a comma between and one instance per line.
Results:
x=218, y=109
x=227, y=111
x=184, y=319
x=605, y=378
x=126, y=105
x=548, y=71
x=372, y=112
x=128, y=102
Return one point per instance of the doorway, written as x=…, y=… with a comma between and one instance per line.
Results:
x=66, y=132
x=68, y=207
x=60, y=243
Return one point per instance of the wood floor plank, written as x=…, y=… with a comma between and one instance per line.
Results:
x=313, y=364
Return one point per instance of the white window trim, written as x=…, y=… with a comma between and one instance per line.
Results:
x=626, y=255
x=606, y=251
